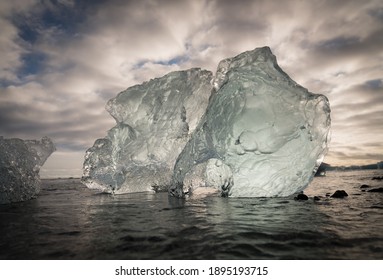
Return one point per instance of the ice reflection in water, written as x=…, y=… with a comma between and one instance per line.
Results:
x=68, y=221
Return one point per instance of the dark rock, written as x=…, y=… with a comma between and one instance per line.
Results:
x=316, y=198
x=339, y=194
x=301, y=196
x=328, y=194
x=376, y=190
x=322, y=169
x=377, y=178
x=364, y=186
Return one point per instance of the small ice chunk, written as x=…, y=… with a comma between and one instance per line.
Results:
x=20, y=163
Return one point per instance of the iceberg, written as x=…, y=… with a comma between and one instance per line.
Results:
x=154, y=122
x=20, y=162
x=269, y=133
x=248, y=131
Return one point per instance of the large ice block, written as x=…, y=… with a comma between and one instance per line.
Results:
x=154, y=122
x=268, y=132
x=248, y=131
x=20, y=163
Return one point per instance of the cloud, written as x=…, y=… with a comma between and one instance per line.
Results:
x=66, y=58
x=348, y=158
x=9, y=43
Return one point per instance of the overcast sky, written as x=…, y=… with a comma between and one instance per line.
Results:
x=61, y=60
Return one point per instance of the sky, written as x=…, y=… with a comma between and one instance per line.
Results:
x=62, y=60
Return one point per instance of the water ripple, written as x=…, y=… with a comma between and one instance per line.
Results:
x=69, y=221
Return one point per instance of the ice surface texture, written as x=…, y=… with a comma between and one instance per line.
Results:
x=20, y=163
x=269, y=133
x=154, y=122
x=248, y=131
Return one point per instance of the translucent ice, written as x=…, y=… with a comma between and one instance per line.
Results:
x=154, y=122
x=20, y=163
x=249, y=131
x=210, y=177
x=262, y=134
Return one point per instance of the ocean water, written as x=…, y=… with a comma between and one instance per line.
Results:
x=69, y=221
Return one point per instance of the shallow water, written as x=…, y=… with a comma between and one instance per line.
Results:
x=69, y=221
